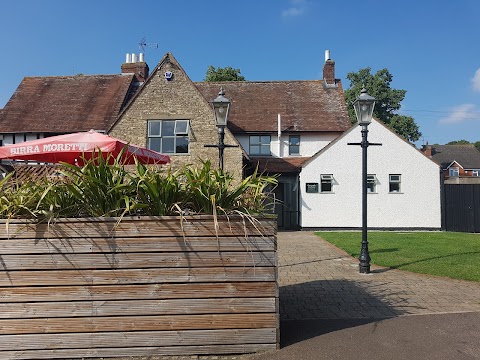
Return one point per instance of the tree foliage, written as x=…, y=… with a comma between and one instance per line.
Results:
x=388, y=101
x=223, y=74
x=465, y=142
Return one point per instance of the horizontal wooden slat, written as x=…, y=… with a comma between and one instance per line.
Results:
x=136, y=323
x=135, y=276
x=135, y=244
x=133, y=228
x=135, y=307
x=140, y=351
x=136, y=260
x=131, y=292
x=137, y=339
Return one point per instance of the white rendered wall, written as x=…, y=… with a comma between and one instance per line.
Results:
x=416, y=206
x=310, y=143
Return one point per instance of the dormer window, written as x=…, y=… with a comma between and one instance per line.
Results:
x=454, y=172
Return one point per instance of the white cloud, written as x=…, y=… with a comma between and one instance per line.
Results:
x=460, y=114
x=293, y=11
x=476, y=81
x=297, y=8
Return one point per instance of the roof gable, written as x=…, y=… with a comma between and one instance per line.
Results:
x=467, y=156
x=303, y=105
x=379, y=134
x=62, y=104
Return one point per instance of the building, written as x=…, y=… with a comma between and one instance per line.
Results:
x=404, y=190
x=460, y=163
x=287, y=128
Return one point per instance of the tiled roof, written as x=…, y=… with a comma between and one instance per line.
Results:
x=303, y=105
x=274, y=165
x=465, y=155
x=63, y=104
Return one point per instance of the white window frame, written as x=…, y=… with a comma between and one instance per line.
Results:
x=327, y=179
x=372, y=180
x=261, y=145
x=178, y=133
x=290, y=145
x=394, y=179
x=454, y=172
x=476, y=172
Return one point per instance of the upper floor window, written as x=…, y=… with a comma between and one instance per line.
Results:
x=453, y=171
x=294, y=145
x=476, y=172
x=371, y=183
x=259, y=145
x=168, y=136
x=394, y=183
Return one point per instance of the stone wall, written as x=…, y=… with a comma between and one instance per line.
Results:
x=178, y=98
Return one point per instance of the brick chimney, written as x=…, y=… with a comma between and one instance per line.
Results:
x=136, y=66
x=329, y=69
x=427, y=150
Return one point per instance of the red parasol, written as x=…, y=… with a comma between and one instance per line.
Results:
x=73, y=148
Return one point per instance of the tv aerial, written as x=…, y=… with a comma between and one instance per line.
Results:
x=143, y=44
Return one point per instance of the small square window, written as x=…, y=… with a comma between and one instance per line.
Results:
x=454, y=171
x=476, y=172
x=326, y=183
x=259, y=145
x=371, y=183
x=394, y=183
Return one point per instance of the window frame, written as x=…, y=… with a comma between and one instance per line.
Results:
x=177, y=135
x=476, y=172
x=290, y=146
x=454, y=170
x=260, y=144
x=372, y=179
x=327, y=179
x=392, y=182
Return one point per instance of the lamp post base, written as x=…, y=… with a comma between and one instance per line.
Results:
x=364, y=269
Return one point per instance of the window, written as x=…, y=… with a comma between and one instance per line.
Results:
x=476, y=172
x=453, y=171
x=326, y=183
x=371, y=183
x=395, y=181
x=259, y=145
x=168, y=136
x=294, y=145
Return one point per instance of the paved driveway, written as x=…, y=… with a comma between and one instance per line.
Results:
x=317, y=281
x=330, y=311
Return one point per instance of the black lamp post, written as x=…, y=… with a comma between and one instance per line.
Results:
x=364, y=106
x=221, y=108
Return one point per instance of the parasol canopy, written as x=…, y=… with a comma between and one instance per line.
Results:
x=75, y=148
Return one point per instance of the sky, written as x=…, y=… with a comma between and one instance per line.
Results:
x=431, y=47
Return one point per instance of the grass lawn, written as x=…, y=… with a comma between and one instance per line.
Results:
x=454, y=255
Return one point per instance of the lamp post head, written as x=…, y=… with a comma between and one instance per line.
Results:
x=364, y=106
x=221, y=107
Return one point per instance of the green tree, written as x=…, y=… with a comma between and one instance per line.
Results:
x=223, y=74
x=477, y=145
x=388, y=101
x=459, y=142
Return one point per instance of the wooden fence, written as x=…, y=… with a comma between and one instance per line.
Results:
x=144, y=286
x=462, y=207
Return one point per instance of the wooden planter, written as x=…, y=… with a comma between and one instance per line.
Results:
x=144, y=286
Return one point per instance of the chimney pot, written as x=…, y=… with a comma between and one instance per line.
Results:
x=327, y=55
x=134, y=58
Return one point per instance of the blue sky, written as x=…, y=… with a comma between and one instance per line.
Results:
x=430, y=46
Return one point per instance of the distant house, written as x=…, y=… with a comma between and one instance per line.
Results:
x=459, y=163
x=403, y=185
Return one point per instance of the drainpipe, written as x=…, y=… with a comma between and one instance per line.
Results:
x=279, y=134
